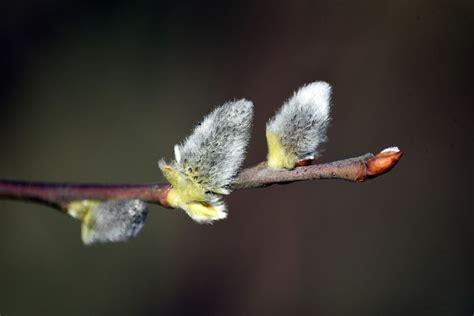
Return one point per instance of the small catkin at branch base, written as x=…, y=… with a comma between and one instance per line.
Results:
x=109, y=221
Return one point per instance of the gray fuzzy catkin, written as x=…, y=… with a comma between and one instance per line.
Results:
x=214, y=152
x=115, y=220
x=302, y=121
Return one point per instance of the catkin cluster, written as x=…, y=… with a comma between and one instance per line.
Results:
x=208, y=161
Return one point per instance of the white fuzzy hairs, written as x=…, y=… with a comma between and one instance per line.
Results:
x=207, y=162
x=214, y=152
x=301, y=123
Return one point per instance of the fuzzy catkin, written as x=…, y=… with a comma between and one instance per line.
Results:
x=213, y=154
x=207, y=162
x=301, y=123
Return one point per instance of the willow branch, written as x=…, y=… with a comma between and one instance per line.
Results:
x=59, y=195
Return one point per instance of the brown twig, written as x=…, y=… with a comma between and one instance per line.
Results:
x=59, y=195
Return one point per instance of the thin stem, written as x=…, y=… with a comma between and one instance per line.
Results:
x=59, y=195
x=352, y=169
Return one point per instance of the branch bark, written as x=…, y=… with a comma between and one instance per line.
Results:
x=59, y=195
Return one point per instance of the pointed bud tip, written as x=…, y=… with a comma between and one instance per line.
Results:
x=391, y=149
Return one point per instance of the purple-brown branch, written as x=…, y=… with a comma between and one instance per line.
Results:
x=59, y=195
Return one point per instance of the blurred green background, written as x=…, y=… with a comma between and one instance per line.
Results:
x=98, y=91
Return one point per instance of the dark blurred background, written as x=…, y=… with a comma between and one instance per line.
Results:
x=98, y=91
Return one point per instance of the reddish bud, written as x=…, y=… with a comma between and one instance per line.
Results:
x=383, y=161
